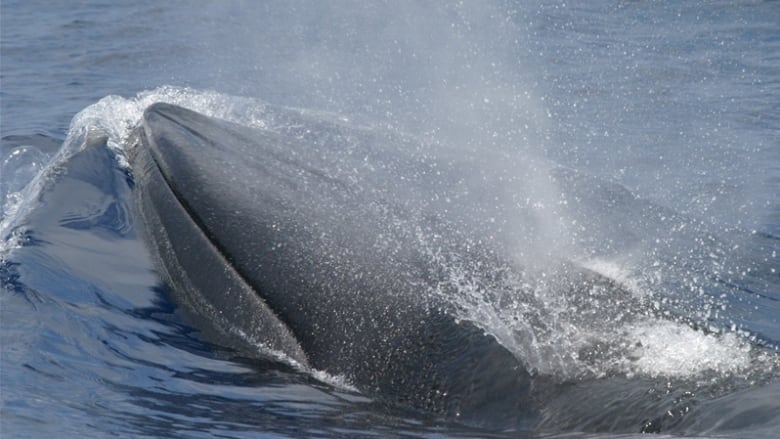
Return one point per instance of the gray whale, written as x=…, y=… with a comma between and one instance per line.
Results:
x=297, y=245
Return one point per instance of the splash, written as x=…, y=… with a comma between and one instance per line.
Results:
x=564, y=313
x=572, y=321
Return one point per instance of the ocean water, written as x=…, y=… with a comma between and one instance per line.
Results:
x=663, y=122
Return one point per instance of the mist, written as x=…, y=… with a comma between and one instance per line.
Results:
x=453, y=72
x=580, y=149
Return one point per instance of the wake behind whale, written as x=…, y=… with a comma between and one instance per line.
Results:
x=419, y=277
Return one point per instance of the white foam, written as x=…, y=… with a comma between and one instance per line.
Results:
x=620, y=274
x=115, y=117
x=553, y=333
x=669, y=349
x=338, y=381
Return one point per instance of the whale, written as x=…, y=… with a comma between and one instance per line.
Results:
x=368, y=261
x=258, y=231
x=302, y=239
x=323, y=242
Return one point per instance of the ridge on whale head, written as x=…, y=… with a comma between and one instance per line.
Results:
x=309, y=243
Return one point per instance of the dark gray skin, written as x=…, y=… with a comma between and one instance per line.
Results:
x=337, y=246
x=312, y=250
